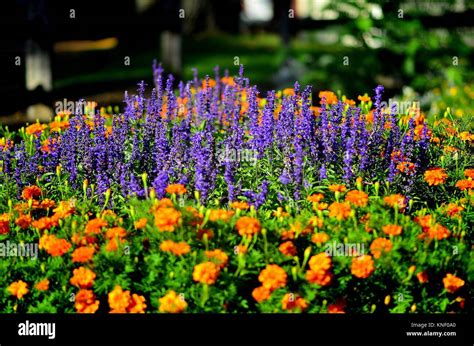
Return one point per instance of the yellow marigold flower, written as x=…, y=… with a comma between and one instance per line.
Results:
x=380, y=246
x=357, y=198
x=340, y=210
x=82, y=277
x=42, y=285
x=206, y=273
x=392, y=229
x=177, y=189
x=119, y=300
x=172, y=303
x=280, y=212
x=18, y=289
x=220, y=214
x=240, y=205
x=167, y=219
x=362, y=266
x=85, y=302
x=218, y=256
x=261, y=294
x=435, y=176
x=272, y=277
x=177, y=249
x=452, y=283
x=247, y=226
x=288, y=248
x=319, y=238
x=83, y=254
x=291, y=302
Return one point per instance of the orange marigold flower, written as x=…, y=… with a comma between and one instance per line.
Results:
x=435, y=176
x=338, y=307
x=42, y=285
x=469, y=173
x=47, y=203
x=220, y=214
x=218, y=256
x=31, y=192
x=453, y=210
x=362, y=266
x=240, y=205
x=438, y=231
x=316, y=222
x=406, y=167
x=53, y=245
x=422, y=277
x=321, y=277
x=379, y=246
x=116, y=232
x=64, y=209
x=95, y=226
x=291, y=302
x=206, y=273
x=340, y=210
x=272, y=277
x=137, y=304
x=452, y=283
x=177, y=249
x=288, y=248
x=56, y=126
x=247, y=226
x=167, y=219
x=357, y=198
x=363, y=98
x=45, y=222
x=177, y=189
x=35, y=129
x=424, y=221
x=315, y=198
x=4, y=223
x=320, y=206
x=208, y=232
x=82, y=277
x=172, y=303
x=395, y=200
x=330, y=97
x=240, y=249
x=162, y=203
x=18, y=289
x=119, y=300
x=139, y=224
x=113, y=244
x=23, y=221
x=319, y=238
x=337, y=188
x=261, y=294
x=465, y=184
x=85, y=302
x=392, y=229
x=320, y=262
x=83, y=254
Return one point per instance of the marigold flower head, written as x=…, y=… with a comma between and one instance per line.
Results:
x=53, y=245
x=83, y=254
x=177, y=249
x=453, y=209
x=292, y=302
x=240, y=205
x=288, y=248
x=357, y=198
x=137, y=304
x=218, y=256
x=435, y=176
x=116, y=232
x=172, y=303
x=95, y=226
x=167, y=219
x=320, y=238
x=329, y=96
x=119, y=300
x=206, y=273
x=272, y=277
x=42, y=285
x=261, y=294
x=320, y=277
x=316, y=222
x=452, y=283
x=465, y=184
x=338, y=307
x=177, y=189
x=35, y=129
x=392, y=229
x=362, y=266
x=18, y=289
x=247, y=226
x=280, y=212
x=141, y=223
x=220, y=215
x=380, y=246
x=337, y=188
x=82, y=277
x=395, y=200
x=437, y=231
x=64, y=209
x=31, y=192
x=340, y=210
x=4, y=223
x=45, y=223
x=364, y=98
x=209, y=233
x=47, y=203
x=85, y=302
x=422, y=277
x=469, y=173
x=315, y=198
